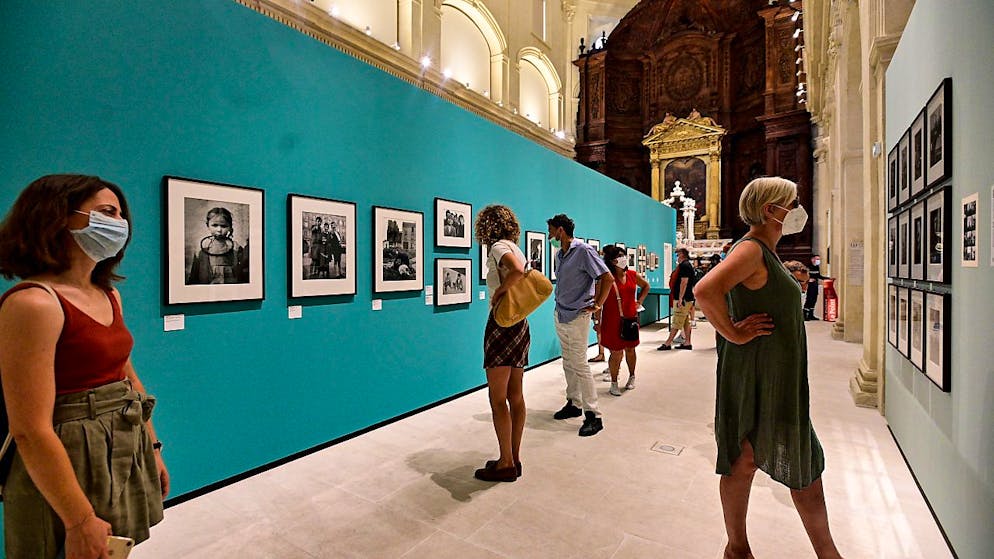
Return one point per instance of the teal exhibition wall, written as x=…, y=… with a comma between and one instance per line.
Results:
x=948, y=438
x=215, y=91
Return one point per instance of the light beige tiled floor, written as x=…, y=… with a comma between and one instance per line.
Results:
x=407, y=490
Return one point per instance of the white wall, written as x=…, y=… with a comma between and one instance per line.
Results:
x=464, y=50
x=534, y=94
x=379, y=15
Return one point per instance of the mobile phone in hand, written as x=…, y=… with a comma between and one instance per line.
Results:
x=118, y=547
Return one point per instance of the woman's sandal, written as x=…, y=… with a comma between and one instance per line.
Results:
x=596, y=359
x=496, y=474
x=491, y=464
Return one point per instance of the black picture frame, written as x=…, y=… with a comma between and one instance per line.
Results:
x=314, y=271
x=595, y=243
x=535, y=248
x=462, y=235
x=918, y=147
x=484, y=262
x=938, y=359
x=892, y=314
x=917, y=237
x=552, y=261
x=632, y=254
x=916, y=332
x=969, y=216
x=453, y=285
x=904, y=245
x=938, y=231
x=903, y=300
x=939, y=127
x=191, y=275
x=892, y=179
x=892, y=247
x=904, y=168
x=398, y=253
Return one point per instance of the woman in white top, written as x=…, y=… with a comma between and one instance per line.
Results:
x=505, y=350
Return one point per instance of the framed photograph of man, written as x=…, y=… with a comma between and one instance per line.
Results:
x=214, y=242
x=535, y=244
x=917, y=325
x=892, y=179
x=903, y=296
x=904, y=244
x=322, y=246
x=918, y=146
x=452, y=283
x=938, y=126
x=453, y=224
x=937, y=357
x=484, y=262
x=892, y=314
x=918, y=241
x=398, y=250
x=892, y=247
x=969, y=216
x=595, y=244
x=904, y=168
x=937, y=230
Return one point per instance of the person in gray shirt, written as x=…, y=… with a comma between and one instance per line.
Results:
x=583, y=283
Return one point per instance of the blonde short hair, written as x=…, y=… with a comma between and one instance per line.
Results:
x=762, y=191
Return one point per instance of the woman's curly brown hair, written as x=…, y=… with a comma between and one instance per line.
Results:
x=497, y=223
x=34, y=238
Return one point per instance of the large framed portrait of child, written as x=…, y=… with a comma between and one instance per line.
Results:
x=321, y=241
x=214, y=242
x=398, y=250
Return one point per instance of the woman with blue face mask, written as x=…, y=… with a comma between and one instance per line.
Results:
x=85, y=462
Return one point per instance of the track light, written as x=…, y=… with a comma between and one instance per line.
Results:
x=797, y=33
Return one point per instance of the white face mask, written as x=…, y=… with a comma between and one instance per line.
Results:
x=103, y=238
x=794, y=221
x=621, y=262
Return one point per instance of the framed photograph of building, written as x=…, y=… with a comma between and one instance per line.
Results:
x=938, y=126
x=918, y=241
x=452, y=281
x=904, y=244
x=892, y=314
x=321, y=241
x=892, y=247
x=903, y=297
x=535, y=244
x=937, y=230
x=484, y=262
x=398, y=250
x=904, y=168
x=214, y=242
x=595, y=244
x=917, y=326
x=969, y=258
x=892, y=179
x=453, y=224
x=918, y=146
x=937, y=357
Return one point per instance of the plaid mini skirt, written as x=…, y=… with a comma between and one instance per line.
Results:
x=505, y=347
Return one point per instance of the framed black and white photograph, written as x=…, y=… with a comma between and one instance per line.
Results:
x=892, y=179
x=968, y=215
x=553, y=265
x=918, y=146
x=892, y=247
x=892, y=314
x=904, y=168
x=918, y=241
x=917, y=326
x=595, y=244
x=904, y=244
x=453, y=224
x=938, y=125
x=214, y=242
x=452, y=281
x=484, y=262
x=632, y=257
x=535, y=244
x=398, y=250
x=621, y=246
x=937, y=357
x=322, y=246
x=903, y=296
x=937, y=230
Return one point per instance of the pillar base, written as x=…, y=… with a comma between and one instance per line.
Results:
x=863, y=387
x=838, y=330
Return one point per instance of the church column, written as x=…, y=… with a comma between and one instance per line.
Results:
x=714, y=191
x=658, y=191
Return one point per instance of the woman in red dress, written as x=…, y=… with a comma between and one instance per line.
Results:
x=621, y=301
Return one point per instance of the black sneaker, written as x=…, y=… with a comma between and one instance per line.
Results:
x=591, y=425
x=568, y=411
x=664, y=347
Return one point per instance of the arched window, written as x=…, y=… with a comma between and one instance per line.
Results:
x=539, y=89
x=473, y=47
x=378, y=18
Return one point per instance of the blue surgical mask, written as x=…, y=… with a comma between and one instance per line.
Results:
x=103, y=238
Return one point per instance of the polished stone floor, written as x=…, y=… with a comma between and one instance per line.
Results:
x=407, y=490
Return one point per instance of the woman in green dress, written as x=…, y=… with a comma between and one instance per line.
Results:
x=761, y=413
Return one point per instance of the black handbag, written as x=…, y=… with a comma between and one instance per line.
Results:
x=629, y=331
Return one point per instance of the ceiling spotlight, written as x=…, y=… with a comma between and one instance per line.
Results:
x=426, y=61
x=334, y=11
x=447, y=73
x=561, y=135
x=368, y=30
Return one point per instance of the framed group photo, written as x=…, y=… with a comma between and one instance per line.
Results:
x=398, y=250
x=453, y=224
x=321, y=243
x=213, y=242
x=452, y=281
x=535, y=244
x=938, y=123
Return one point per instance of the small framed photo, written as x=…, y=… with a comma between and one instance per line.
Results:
x=917, y=348
x=937, y=357
x=453, y=224
x=632, y=257
x=904, y=244
x=553, y=264
x=595, y=244
x=398, y=250
x=918, y=241
x=904, y=168
x=938, y=124
x=214, y=242
x=452, y=283
x=484, y=262
x=892, y=179
x=937, y=231
x=918, y=146
x=322, y=246
x=535, y=244
x=892, y=314
x=969, y=218
x=902, y=320
x=892, y=247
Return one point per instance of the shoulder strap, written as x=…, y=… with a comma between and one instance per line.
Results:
x=44, y=286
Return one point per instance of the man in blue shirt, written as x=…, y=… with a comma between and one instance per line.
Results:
x=578, y=270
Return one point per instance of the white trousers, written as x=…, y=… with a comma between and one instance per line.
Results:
x=580, y=387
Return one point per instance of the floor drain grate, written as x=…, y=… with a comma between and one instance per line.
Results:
x=667, y=448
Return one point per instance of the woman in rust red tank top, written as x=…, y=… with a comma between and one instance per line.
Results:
x=86, y=463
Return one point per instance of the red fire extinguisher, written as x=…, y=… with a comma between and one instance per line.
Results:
x=830, y=308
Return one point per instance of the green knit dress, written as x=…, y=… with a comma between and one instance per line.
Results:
x=763, y=384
